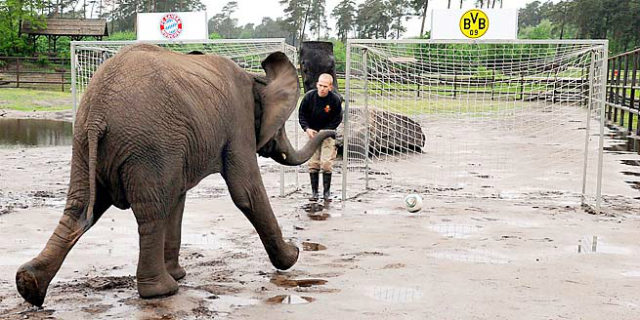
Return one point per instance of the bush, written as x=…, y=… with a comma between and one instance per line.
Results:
x=122, y=36
x=42, y=61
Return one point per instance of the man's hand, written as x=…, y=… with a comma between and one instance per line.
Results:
x=311, y=133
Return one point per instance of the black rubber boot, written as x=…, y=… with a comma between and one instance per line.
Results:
x=326, y=183
x=315, y=180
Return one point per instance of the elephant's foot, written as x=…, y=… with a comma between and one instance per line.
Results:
x=32, y=282
x=286, y=258
x=175, y=270
x=153, y=288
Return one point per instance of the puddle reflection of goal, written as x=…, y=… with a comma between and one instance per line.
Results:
x=498, y=116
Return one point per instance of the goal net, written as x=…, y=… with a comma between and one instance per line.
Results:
x=501, y=119
x=87, y=56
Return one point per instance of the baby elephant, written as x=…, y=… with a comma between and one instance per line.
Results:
x=151, y=125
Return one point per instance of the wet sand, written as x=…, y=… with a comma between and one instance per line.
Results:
x=480, y=258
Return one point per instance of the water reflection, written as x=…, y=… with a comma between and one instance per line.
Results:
x=35, y=133
x=473, y=256
x=395, y=294
x=458, y=231
x=289, y=299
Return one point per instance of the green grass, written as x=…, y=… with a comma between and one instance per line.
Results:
x=34, y=100
x=412, y=107
x=625, y=122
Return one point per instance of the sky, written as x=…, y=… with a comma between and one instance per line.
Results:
x=252, y=11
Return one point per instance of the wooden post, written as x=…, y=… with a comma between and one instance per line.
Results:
x=62, y=80
x=17, y=72
x=610, y=88
x=455, y=84
x=632, y=100
x=624, y=90
x=521, y=87
x=493, y=81
x=555, y=87
x=616, y=99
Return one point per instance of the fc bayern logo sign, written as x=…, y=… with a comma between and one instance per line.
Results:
x=171, y=26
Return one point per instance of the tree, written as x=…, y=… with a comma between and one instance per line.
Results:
x=373, y=19
x=11, y=13
x=344, y=13
x=317, y=18
x=296, y=13
x=420, y=7
x=270, y=28
x=529, y=15
x=544, y=30
x=397, y=11
x=223, y=24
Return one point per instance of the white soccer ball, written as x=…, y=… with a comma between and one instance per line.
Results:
x=413, y=202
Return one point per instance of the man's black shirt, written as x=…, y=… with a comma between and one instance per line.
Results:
x=320, y=113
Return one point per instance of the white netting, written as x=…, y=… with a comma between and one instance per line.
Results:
x=474, y=118
x=247, y=53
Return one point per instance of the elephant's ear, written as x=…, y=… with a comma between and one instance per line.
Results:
x=280, y=96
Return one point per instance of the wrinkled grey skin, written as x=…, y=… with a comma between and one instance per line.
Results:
x=151, y=125
x=316, y=58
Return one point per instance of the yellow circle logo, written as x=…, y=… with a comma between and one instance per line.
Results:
x=474, y=23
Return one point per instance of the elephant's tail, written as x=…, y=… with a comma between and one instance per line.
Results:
x=86, y=219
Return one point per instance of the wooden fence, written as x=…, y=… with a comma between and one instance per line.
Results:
x=20, y=72
x=623, y=92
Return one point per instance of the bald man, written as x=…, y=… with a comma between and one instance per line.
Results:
x=321, y=109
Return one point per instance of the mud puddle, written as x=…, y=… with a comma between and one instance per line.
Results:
x=633, y=163
x=319, y=211
x=289, y=299
x=286, y=282
x=473, y=256
x=594, y=244
x=116, y=300
x=35, y=133
x=457, y=231
x=632, y=273
x=394, y=294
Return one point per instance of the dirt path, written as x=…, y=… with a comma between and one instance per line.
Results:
x=480, y=258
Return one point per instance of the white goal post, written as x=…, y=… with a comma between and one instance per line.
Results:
x=475, y=118
x=87, y=56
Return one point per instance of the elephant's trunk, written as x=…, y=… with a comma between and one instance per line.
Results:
x=289, y=156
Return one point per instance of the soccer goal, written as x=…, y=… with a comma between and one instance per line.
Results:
x=87, y=56
x=499, y=119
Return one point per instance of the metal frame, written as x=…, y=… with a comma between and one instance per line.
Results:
x=427, y=41
x=599, y=101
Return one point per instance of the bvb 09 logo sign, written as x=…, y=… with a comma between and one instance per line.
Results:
x=474, y=23
x=171, y=26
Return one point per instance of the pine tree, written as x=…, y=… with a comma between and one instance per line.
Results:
x=420, y=7
x=345, y=16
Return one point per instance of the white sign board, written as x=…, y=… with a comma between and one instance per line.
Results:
x=491, y=24
x=172, y=26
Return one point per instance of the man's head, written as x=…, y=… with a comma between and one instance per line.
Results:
x=324, y=85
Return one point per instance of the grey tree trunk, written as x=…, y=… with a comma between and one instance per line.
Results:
x=424, y=17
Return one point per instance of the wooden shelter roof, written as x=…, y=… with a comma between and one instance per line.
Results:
x=68, y=27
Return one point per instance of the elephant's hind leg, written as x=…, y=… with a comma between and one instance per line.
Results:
x=33, y=277
x=172, y=240
x=152, y=276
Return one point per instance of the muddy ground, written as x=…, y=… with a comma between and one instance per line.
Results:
x=483, y=258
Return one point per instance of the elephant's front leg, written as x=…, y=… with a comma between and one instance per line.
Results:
x=247, y=191
x=172, y=240
x=152, y=276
